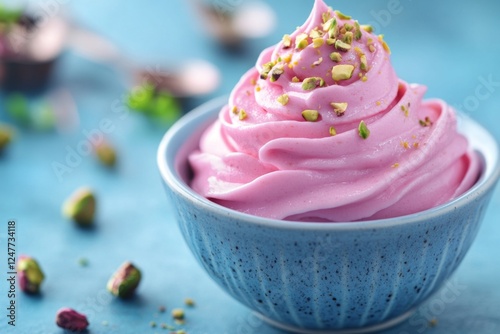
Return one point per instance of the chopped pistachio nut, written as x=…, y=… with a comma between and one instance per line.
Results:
x=333, y=131
x=348, y=27
x=328, y=24
x=124, y=281
x=339, y=108
x=348, y=37
x=358, y=33
x=318, y=42
x=295, y=79
x=384, y=44
x=80, y=207
x=331, y=41
x=83, y=262
x=106, y=154
x=152, y=324
x=363, y=130
x=336, y=57
x=367, y=28
x=189, y=302
x=266, y=68
x=416, y=145
x=405, y=145
x=276, y=72
x=301, y=41
x=310, y=115
x=342, y=46
x=405, y=110
x=326, y=16
x=178, y=314
x=5, y=136
x=312, y=82
x=342, y=16
x=396, y=165
x=242, y=115
x=315, y=33
x=364, y=63
x=283, y=99
x=317, y=62
x=364, y=78
x=234, y=110
x=426, y=122
x=30, y=274
x=287, y=41
x=331, y=27
x=342, y=72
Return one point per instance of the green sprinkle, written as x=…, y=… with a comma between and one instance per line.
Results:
x=312, y=82
x=310, y=115
x=363, y=130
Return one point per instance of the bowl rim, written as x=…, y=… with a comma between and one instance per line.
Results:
x=210, y=110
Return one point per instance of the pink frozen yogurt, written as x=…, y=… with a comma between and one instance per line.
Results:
x=322, y=129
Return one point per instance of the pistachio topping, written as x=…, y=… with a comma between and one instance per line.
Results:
x=266, y=68
x=312, y=82
x=363, y=130
x=283, y=99
x=364, y=63
x=331, y=27
x=405, y=110
x=124, y=281
x=333, y=131
x=342, y=16
x=287, y=41
x=301, y=41
x=178, y=314
x=342, y=46
x=81, y=207
x=317, y=62
x=326, y=16
x=368, y=28
x=242, y=115
x=336, y=57
x=318, y=42
x=339, y=108
x=426, y=122
x=315, y=33
x=405, y=144
x=348, y=36
x=384, y=44
x=396, y=165
x=295, y=79
x=342, y=72
x=310, y=115
x=234, y=110
x=358, y=33
x=5, y=136
x=276, y=72
x=348, y=27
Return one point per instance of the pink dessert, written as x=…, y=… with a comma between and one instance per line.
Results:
x=322, y=129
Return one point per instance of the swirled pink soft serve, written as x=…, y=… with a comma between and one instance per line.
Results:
x=322, y=129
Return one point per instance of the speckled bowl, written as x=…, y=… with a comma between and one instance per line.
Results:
x=325, y=277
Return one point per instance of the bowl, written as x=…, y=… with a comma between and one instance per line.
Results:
x=351, y=277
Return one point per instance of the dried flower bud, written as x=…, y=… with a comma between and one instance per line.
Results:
x=106, y=154
x=80, y=207
x=124, y=281
x=30, y=274
x=71, y=320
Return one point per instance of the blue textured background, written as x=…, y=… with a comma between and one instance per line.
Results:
x=452, y=47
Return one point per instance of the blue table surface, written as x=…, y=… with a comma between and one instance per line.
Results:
x=452, y=47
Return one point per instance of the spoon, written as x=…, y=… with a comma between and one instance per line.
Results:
x=192, y=78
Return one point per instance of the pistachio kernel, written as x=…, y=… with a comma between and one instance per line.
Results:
x=358, y=33
x=124, y=281
x=242, y=115
x=295, y=79
x=276, y=72
x=396, y=165
x=333, y=131
x=30, y=274
x=301, y=41
x=348, y=27
x=342, y=72
x=342, y=16
x=331, y=41
x=384, y=44
x=287, y=41
x=106, y=154
x=310, y=115
x=283, y=99
x=67, y=318
x=189, y=302
x=363, y=130
x=317, y=62
x=5, y=136
x=334, y=30
x=328, y=24
x=339, y=108
x=348, y=37
x=336, y=57
x=342, y=46
x=316, y=34
x=318, y=42
x=266, y=68
x=326, y=16
x=312, y=82
x=178, y=314
x=364, y=63
x=234, y=110
x=80, y=207
x=368, y=28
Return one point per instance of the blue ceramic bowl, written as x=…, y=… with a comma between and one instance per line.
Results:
x=325, y=277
